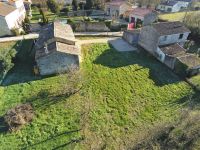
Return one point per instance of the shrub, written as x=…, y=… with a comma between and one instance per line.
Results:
x=19, y=116
x=44, y=18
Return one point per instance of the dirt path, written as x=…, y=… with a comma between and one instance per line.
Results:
x=90, y=41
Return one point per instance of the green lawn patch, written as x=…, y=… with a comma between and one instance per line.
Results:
x=179, y=16
x=124, y=94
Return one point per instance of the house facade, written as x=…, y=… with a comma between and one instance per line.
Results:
x=12, y=15
x=56, y=49
x=169, y=6
x=165, y=41
x=174, y=5
x=117, y=8
x=143, y=16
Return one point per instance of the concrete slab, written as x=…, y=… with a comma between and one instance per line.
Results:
x=121, y=45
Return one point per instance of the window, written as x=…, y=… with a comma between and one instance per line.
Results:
x=164, y=38
x=180, y=36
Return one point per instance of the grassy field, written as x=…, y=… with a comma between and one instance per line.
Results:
x=124, y=95
x=179, y=16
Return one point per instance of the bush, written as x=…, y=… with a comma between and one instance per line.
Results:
x=19, y=116
x=44, y=18
x=15, y=31
x=6, y=64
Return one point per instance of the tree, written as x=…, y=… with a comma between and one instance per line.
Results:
x=53, y=6
x=75, y=4
x=89, y=4
x=44, y=18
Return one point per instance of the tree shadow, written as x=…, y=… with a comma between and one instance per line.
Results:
x=158, y=72
x=3, y=126
x=22, y=70
x=55, y=137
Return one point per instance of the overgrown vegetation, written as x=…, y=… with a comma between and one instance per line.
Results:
x=7, y=53
x=122, y=97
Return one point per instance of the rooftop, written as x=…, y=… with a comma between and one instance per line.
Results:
x=190, y=60
x=141, y=11
x=55, y=30
x=56, y=37
x=173, y=50
x=169, y=28
x=169, y=3
x=59, y=47
x=6, y=9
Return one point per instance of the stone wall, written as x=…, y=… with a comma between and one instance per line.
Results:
x=131, y=37
x=92, y=27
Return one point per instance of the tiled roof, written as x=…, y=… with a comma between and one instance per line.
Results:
x=55, y=30
x=6, y=9
x=141, y=11
x=173, y=50
x=169, y=3
x=169, y=28
x=57, y=46
x=56, y=37
x=190, y=60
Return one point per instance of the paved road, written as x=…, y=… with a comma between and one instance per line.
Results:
x=91, y=41
x=121, y=45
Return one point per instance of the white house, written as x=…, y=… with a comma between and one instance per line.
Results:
x=173, y=5
x=12, y=13
x=144, y=16
x=169, y=6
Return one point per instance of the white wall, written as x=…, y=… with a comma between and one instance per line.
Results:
x=12, y=19
x=170, y=39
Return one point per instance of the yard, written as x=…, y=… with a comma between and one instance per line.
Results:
x=124, y=96
x=179, y=16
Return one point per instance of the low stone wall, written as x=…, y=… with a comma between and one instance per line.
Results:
x=92, y=27
x=132, y=36
x=18, y=38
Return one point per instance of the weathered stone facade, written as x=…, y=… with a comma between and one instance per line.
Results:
x=92, y=27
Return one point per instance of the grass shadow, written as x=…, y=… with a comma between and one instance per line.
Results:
x=3, y=126
x=158, y=72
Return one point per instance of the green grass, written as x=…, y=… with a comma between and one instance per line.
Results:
x=179, y=16
x=51, y=16
x=125, y=94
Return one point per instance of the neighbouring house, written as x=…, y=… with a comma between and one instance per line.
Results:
x=173, y=5
x=169, y=6
x=142, y=16
x=117, y=8
x=165, y=41
x=12, y=14
x=27, y=5
x=56, y=49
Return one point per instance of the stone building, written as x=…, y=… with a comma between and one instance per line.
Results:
x=12, y=14
x=165, y=41
x=56, y=49
x=143, y=16
x=117, y=8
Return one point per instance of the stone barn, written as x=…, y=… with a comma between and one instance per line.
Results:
x=56, y=49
